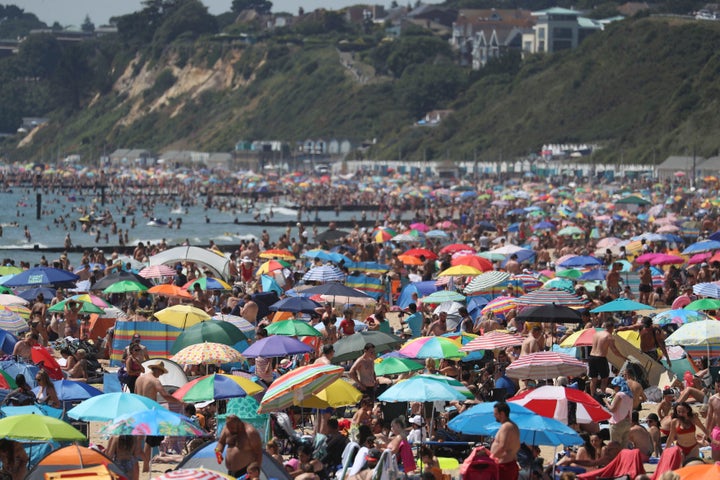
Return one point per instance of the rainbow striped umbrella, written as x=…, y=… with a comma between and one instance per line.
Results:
x=292, y=388
x=11, y=321
x=432, y=347
x=527, y=281
x=208, y=283
x=500, y=305
x=216, y=386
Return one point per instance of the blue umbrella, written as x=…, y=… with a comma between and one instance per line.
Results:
x=14, y=369
x=276, y=346
x=436, y=234
x=581, y=261
x=42, y=276
x=621, y=305
x=72, y=391
x=324, y=273
x=7, y=341
x=295, y=304
x=270, y=285
x=700, y=247
x=318, y=254
x=544, y=225
x=9, y=411
x=597, y=274
x=534, y=429
x=32, y=293
x=108, y=406
x=421, y=389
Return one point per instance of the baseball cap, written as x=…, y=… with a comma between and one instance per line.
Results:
x=373, y=455
x=668, y=391
x=416, y=420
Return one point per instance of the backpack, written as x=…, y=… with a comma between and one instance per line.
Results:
x=479, y=466
x=123, y=375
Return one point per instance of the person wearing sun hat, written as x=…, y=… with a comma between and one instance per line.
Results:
x=620, y=407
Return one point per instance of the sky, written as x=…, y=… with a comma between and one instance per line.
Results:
x=72, y=12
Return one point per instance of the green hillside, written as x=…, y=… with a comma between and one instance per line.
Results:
x=642, y=89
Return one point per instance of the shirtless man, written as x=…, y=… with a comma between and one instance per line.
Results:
x=23, y=348
x=363, y=371
x=532, y=343
x=640, y=438
x=612, y=280
x=651, y=338
x=603, y=341
x=249, y=311
x=506, y=444
x=244, y=446
x=439, y=326
x=148, y=385
x=713, y=421
x=646, y=285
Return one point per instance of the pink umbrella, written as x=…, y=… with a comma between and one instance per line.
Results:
x=421, y=227
x=491, y=341
x=699, y=258
x=668, y=229
x=540, y=365
x=664, y=259
x=608, y=242
x=157, y=271
x=646, y=257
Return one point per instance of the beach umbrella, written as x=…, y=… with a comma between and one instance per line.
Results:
x=7, y=342
x=405, y=238
x=571, y=273
x=32, y=427
x=475, y=261
x=452, y=382
x=581, y=338
x=499, y=305
x=35, y=409
x=7, y=382
x=410, y=260
x=216, y=386
x=243, y=325
x=157, y=271
x=552, y=402
x=382, y=235
x=205, y=353
x=395, y=366
x=486, y=281
x=125, y=286
x=31, y=294
x=421, y=389
x=338, y=292
x=181, y=316
x=8, y=299
x=324, y=273
x=596, y=274
x=580, y=261
x=456, y=247
x=664, y=259
x=564, y=284
x=526, y=281
x=170, y=290
x=72, y=391
x=702, y=304
x=43, y=358
x=707, y=289
x=119, y=276
x=318, y=254
x=704, y=333
x=277, y=253
x=491, y=341
x=702, y=246
x=679, y=317
x=551, y=296
x=85, y=307
x=90, y=298
x=570, y=231
x=351, y=347
x=292, y=387
x=276, y=346
x=293, y=328
x=213, y=331
x=42, y=276
x=534, y=429
x=295, y=304
x=608, y=242
x=193, y=474
x=11, y=321
x=705, y=471
x=460, y=270
x=443, y=296
x=153, y=421
x=207, y=283
x=338, y=394
x=542, y=365
x=436, y=234
x=550, y=313
x=432, y=347
x=108, y=406
x=270, y=266
x=621, y=305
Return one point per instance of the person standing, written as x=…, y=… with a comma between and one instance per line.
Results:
x=612, y=280
x=244, y=446
x=506, y=444
x=363, y=371
x=621, y=408
x=415, y=320
x=713, y=421
x=328, y=352
x=603, y=341
x=133, y=366
x=646, y=285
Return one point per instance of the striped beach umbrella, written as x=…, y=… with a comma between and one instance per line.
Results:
x=157, y=271
x=292, y=387
x=207, y=283
x=552, y=402
x=11, y=321
x=193, y=474
x=679, y=316
x=486, y=282
x=432, y=347
x=500, y=305
x=443, y=296
x=216, y=386
x=277, y=253
x=491, y=341
x=324, y=273
x=540, y=365
x=707, y=289
x=550, y=296
x=526, y=281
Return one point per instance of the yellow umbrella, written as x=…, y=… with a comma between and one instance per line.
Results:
x=339, y=394
x=269, y=267
x=632, y=336
x=460, y=270
x=182, y=316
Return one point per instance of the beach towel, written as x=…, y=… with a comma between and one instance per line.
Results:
x=671, y=459
x=628, y=462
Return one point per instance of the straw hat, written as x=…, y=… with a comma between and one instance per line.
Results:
x=159, y=366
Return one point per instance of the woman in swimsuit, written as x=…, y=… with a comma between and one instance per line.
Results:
x=46, y=390
x=126, y=451
x=683, y=430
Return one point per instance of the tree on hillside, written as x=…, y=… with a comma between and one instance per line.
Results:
x=87, y=25
x=190, y=19
x=260, y=6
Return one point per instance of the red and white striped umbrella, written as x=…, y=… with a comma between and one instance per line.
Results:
x=541, y=365
x=550, y=296
x=192, y=474
x=491, y=341
x=552, y=402
x=157, y=271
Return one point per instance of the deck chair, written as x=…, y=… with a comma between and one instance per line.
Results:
x=348, y=457
x=628, y=462
x=387, y=467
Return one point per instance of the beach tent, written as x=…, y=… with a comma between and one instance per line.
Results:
x=156, y=336
x=71, y=458
x=174, y=378
x=208, y=258
x=204, y=456
x=99, y=472
x=421, y=288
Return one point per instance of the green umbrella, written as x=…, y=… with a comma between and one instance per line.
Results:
x=125, y=286
x=213, y=331
x=38, y=427
x=85, y=307
x=8, y=379
x=293, y=328
x=395, y=365
x=571, y=230
x=443, y=296
x=351, y=347
x=704, y=304
x=572, y=273
x=492, y=256
x=4, y=289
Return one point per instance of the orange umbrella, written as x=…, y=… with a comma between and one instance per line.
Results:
x=482, y=264
x=410, y=260
x=280, y=253
x=699, y=472
x=417, y=252
x=170, y=290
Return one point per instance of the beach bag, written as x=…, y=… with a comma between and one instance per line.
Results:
x=479, y=466
x=123, y=375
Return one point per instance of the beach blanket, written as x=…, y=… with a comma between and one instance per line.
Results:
x=628, y=462
x=157, y=337
x=671, y=459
